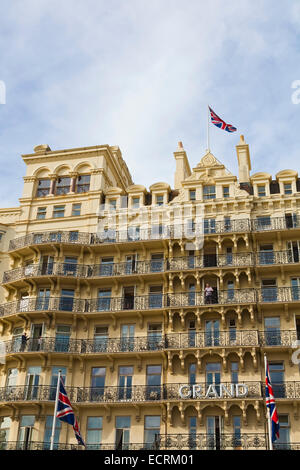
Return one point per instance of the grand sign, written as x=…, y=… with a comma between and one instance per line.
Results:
x=213, y=391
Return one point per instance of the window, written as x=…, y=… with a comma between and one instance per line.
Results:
x=192, y=374
x=62, y=338
x=58, y=211
x=5, y=426
x=43, y=188
x=1, y=235
x=192, y=193
x=98, y=382
x=62, y=186
x=133, y=233
x=100, y=338
x=225, y=191
x=83, y=183
x=261, y=190
x=70, y=265
x=135, y=202
x=94, y=432
x=209, y=226
x=48, y=432
x=227, y=224
x=157, y=262
x=125, y=382
x=266, y=254
x=192, y=432
x=127, y=337
x=209, y=192
x=154, y=335
x=277, y=379
x=104, y=299
x=287, y=188
x=159, y=200
x=283, y=443
x=76, y=208
x=11, y=380
x=235, y=372
x=155, y=297
x=151, y=431
x=25, y=432
x=263, y=223
x=66, y=300
x=41, y=213
x=237, y=431
x=106, y=266
x=153, y=382
x=112, y=204
x=122, y=432
x=269, y=290
x=272, y=331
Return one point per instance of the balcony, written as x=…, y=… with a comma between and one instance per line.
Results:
x=129, y=394
x=114, y=304
x=229, y=339
x=175, y=232
x=242, y=441
x=224, y=441
x=277, y=338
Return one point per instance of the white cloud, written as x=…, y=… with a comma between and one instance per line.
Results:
x=139, y=74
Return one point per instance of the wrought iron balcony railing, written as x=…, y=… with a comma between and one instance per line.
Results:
x=148, y=393
x=237, y=441
x=130, y=394
x=151, y=267
x=128, y=268
x=193, y=339
x=155, y=232
x=152, y=301
x=224, y=441
x=111, y=304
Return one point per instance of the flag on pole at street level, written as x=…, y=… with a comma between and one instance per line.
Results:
x=220, y=123
x=65, y=412
x=270, y=402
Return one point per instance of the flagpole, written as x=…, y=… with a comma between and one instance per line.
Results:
x=208, y=143
x=268, y=413
x=55, y=411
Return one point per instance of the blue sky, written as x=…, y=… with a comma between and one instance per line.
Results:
x=139, y=75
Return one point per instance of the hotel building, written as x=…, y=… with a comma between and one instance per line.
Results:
x=160, y=336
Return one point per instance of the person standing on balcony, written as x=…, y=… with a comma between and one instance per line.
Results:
x=24, y=340
x=208, y=291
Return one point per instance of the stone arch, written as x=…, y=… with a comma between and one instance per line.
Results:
x=83, y=167
x=62, y=170
x=42, y=172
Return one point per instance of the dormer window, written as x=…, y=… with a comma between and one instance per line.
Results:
x=83, y=183
x=225, y=191
x=261, y=190
x=135, y=202
x=192, y=195
x=43, y=188
x=209, y=192
x=287, y=188
x=62, y=186
x=112, y=204
x=159, y=200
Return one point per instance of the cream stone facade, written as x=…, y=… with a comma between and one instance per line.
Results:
x=160, y=340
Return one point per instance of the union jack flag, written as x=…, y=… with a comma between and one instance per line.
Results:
x=65, y=412
x=220, y=123
x=270, y=402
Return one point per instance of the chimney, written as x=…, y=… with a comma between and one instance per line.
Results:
x=183, y=170
x=242, y=150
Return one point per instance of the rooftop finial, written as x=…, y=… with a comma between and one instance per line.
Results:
x=180, y=145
